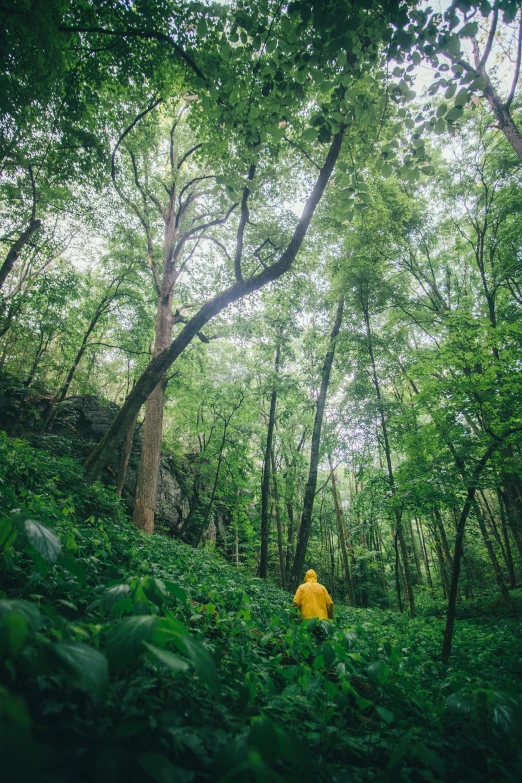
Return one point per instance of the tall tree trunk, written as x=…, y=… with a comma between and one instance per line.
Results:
x=308, y=502
x=282, y=564
x=147, y=484
x=507, y=543
x=157, y=368
x=457, y=556
x=424, y=553
x=342, y=540
x=265, y=484
x=504, y=592
x=387, y=449
x=415, y=553
x=513, y=506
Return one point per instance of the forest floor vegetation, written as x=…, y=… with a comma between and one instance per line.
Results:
x=126, y=657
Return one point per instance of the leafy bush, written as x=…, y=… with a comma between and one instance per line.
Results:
x=134, y=658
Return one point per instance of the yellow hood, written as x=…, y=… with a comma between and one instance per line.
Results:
x=310, y=576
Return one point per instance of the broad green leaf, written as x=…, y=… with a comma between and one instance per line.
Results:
x=125, y=642
x=310, y=134
x=469, y=30
x=84, y=667
x=29, y=612
x=384, y=714
x=174, y=662
x=43, y=539
x=203, y=664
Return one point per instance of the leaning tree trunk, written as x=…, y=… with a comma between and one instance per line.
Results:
x=155, y=371
x=308, y=503
x=17, y=248
x=265, y=484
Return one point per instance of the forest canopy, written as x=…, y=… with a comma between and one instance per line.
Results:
x=260, y=312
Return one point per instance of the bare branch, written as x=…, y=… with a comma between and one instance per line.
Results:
x=188, y=154
x=517, y=67
x=481, y=64
x=139, y=186
x=137, y=33
x=126, y=132
x=307, y=156
x=216, y=222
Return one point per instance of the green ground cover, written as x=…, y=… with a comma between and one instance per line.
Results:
x=134, y=658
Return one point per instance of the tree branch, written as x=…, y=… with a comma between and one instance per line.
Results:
x=489, y=43
x=187, y=154
x=517, y=67
x=137, y=33
x=245, y=214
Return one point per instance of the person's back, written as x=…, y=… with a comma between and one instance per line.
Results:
x=313, y=599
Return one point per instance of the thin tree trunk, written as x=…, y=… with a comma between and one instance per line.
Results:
x=125, y=457
x=457, y=557
x=282, y=564
x=342, y=540
x=424, y=553
x=504, y=592
x=308, y=502
x=265, y=484
x=507, y=543
x=157, y=368
x=387, y=449
x=415, y=553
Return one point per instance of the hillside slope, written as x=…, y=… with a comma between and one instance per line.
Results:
x=133, y=658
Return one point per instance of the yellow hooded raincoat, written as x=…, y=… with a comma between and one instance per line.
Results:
x=312, y=598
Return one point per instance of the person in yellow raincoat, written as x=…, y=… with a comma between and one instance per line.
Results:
x=313, y=599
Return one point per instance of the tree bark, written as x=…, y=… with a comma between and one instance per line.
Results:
x=308, y=502
x=507, y=543
x=126, y=450
x=265, y=484
x=155, y=371
x=17, y=248
x=342, y=540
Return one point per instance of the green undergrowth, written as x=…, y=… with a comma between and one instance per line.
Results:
x=132, y=658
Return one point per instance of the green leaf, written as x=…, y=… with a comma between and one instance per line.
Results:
x=385, y=714
x=43, y=539
x=203, y=664
x=74, y=568
x=174, y=662
x=469, y=30
x=125, y=642
x=310, y=134
x=83, y=667
x=114, y=595
x=178, y=592
x=29, y=612
x=440, y=126
x=8, y=534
